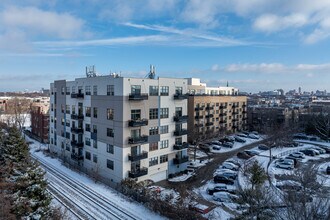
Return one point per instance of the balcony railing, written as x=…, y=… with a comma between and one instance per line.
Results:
x=199, y=125
x=180, y=96
x=77, y=116
x=77, y=157
x=136, y=157
x=77, y=95
x=223, y=114
x=138, y=122
x=181, y=132
x=209, y=116
x=198, y=116
x=77, y=143
x=137, y=173
x=209, y=123
x=181, y=160
x=138, y=96
x=138, y=140
x=209, y=107
x=199, y=108
x=182, y=146
x=182, y=118
x=223, y=106
x=77, y=130
x=223, y=122
x=235, y=119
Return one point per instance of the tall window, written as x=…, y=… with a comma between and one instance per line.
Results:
x=110, y=132
x=110, y=90
x=153, y=130
x=163, y=159
x=164, y=113
x=94, y=128
x=153, y=90
x=68, y=90
x=110, y=148
x=110, y=113
x=94, y=158
x=94, y=90
x=136, y=114
x=153, y=161
x=95, y=144
x=67, y=109
x=95, y=112
x=153, y=113
x=163, y=129
x=163, y=144
x=164, y=90
x=73, y=109
x=73, y=89
x=88, y=155
x=87, y=141
x=153, y=146
x=178, y=90
x=87, y=90
x=87, y=127
x=136, y=89
x=88, y=111
x=110, y=164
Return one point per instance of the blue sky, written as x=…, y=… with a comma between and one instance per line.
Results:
x=255, y=45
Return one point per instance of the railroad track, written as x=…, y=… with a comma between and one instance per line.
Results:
x=89, y=202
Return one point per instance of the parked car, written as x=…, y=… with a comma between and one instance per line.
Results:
x=308, y=152
x=316, y=151
x=297, y=155
x=327, y=149
x=228, y=144
x=328, y=170
x=226, y=173
x=255, y=132
x=263, y=147
x=253, y=136
x=216, y=143
x=227, y=139
x=232, y=160
x=290, y=144
x=216, y=147
x=242, y=135
x=252, y=152
x=240, y=140
x=245, y=132
x=223, y=179
x=295, y=160
x=199, y=207
x=223, y=197
x=218, y=188
x=320, y=150
x=229, y=166
x=300, y=136
x=243, y=155
x=285, y=161
x=285, y=166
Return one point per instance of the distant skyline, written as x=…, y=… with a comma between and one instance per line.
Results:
x=255, y=45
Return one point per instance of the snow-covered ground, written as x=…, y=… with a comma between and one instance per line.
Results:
x=323, y=177
x=119, y=199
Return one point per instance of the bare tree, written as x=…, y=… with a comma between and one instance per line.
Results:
x=321, y=124
x=18, y=110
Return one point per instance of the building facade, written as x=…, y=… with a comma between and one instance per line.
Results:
x=216, y=114
x=121, y=127
x=40, y=121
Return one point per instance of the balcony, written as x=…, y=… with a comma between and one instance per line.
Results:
x=77, y=116
x=223, y=114
x=209, y=116
x=199, y=108
x=223, y=122
x=198, y=116
x=77, y=130
x=180, y=96
x=140, y=156
x=138, y=96
x=181, y=132
x=94, y=136
x=182, y=146
x=77, y=143
x=138, y=122
x=209, y=107
x=244, y=106
x=235, y=113
x=137, y=173
x=222, y=106
x=209, y=123
x=138, y=140
x=77, y=157
x=199, y=125
x=234, y=106
x=244, y=112
x=182, y=118
x=235, y=119
x=77, y=95
x=181, y=160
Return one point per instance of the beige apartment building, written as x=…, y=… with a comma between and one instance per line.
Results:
x=216, y=114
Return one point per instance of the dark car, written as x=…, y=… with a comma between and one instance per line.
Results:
x=240, y=140
x=328, y=170
x=243, y=155
x=327, y=149
x=228, y=144
x=210, y=191
x=308, y=152
x=223, y=179
x=263, y=147
x=252, y=152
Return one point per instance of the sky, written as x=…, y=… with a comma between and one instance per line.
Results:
x=255, y=45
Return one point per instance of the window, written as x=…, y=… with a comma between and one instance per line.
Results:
x=163, y=159
x=153, y=161
x=67, y=122
x=153, y=146
x=62, y=121
x=95, y=144
x=80, y=89
x=95, y=112
x=94, y=158
x=62, y=108
x=67, y=135
x=88, y=155
x=87, y=141
x=88, y=111
x=136, y=89
x=110, y=113
x=95, y=129
x=153, y=113
x=163, y=129
x=153, y=130
x=73, y=89
x=73, y=109
x=110, y=149
x=62, y=90
x=164, y=113
x=110, y=164
x=67, y=147
x=110, y=132
x=67, y=109
x=163, y=144
x=136, y=114
x=178, y=90
x=68, y=90
x=94, y=90
x=87, y=90
x=153, y=90
x=110, y=90
x=87, y=127
x=178, y=141
x=164, y=90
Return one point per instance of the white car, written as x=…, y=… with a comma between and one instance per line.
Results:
x=297, y=155
x=223, y=197
x=285, y=161
x=230, y=166
x=253, y=136
x=285, y=166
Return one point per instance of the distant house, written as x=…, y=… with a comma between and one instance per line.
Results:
x=40, y=121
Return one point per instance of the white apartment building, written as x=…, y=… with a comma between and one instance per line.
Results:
x=196, y=87
x=121, y=127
